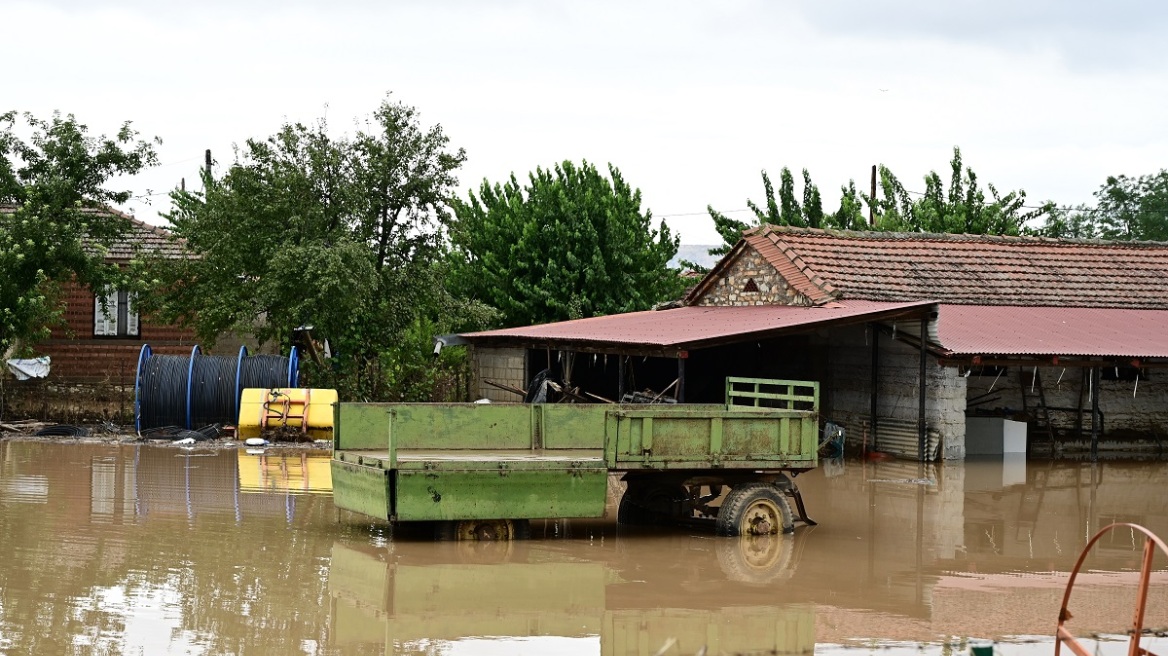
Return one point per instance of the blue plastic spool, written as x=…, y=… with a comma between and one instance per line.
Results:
x=238, y=380
x=143, y=356
x=293, y=368
x=190, y=377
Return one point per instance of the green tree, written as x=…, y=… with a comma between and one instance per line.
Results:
x=785, y=210
x=850, y=215
x=343, y=234
x=570, y=243
x=1069, y=223
x=56, y=184
x=1126, y=208
x=963, y=209
x=1134, y=208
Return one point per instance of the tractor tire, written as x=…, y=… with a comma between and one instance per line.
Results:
x=755, y=509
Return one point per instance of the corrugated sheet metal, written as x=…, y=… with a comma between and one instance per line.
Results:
x=901, y=438
x=691, y=326
x=1050, y=331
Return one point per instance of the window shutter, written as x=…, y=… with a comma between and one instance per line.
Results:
x=131, y=314
x=105, y=320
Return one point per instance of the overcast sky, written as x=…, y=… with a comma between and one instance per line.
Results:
x=690, y=100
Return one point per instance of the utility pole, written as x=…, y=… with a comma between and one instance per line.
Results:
x=871, y=199
x=207, y=163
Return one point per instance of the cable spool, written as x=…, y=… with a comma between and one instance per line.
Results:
x=162, y=390
x=210, y=395
x=143, y=355
x=198, y=390
x=268, y=371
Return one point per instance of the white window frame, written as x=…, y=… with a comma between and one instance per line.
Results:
x=114, y=314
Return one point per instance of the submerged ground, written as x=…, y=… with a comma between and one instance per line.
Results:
x=116, y=548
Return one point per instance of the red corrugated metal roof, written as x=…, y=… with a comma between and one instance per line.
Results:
x=693, y=326
x=966, y=269
x=1049, y=331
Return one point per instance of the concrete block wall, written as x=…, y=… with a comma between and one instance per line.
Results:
x=501, y=365
x=1129, y=409
x=851, y=366
x=730, y=289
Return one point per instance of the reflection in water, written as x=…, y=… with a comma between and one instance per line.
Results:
x=597, y=599
x=137, y=549
x=285, y=471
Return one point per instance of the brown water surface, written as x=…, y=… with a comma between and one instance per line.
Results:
x=155, y=550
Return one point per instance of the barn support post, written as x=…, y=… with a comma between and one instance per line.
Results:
x=921, y=431
x=620, y=377
x=681, y=357
x=875, y=333
x=1095, y=380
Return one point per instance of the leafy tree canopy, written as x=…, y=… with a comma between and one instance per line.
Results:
x=1127, y=208
x=570, y=243
x=341, y=234
x=789, y=210
x=55, y=188
x=964, y=208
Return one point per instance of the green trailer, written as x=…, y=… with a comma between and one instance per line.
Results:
x=481, y=471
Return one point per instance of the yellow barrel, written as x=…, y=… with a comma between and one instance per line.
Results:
x=286, y=412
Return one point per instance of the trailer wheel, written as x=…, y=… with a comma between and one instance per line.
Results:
x=644, y=505
x=483, y=530
x=755, y=509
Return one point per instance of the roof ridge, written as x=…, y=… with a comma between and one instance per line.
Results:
x=879, y=235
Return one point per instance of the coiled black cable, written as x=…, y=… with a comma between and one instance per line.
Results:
x=212, y=393
x=198, y=390
x=264, y=372
x=163, y=395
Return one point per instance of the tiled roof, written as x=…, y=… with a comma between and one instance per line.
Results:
x=140, y=238
x=966, y=269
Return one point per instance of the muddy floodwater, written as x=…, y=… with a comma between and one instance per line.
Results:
x=108, y=549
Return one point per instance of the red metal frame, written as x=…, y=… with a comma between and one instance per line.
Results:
x=1063, y=635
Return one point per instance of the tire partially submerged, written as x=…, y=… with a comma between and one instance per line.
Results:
x=755, y=509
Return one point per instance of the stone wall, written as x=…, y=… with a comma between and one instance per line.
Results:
x=735, y=288
x=850, y=402
x=501, y=365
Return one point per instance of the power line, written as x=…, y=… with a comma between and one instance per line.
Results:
x=706, y=213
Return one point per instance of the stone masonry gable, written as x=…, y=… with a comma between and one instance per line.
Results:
x=748, y=279
x=759, y=272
